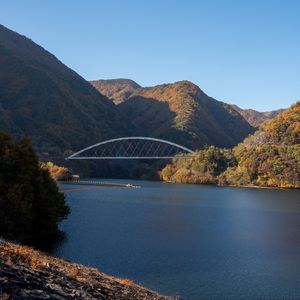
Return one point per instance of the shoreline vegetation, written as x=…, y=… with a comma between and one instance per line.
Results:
x=26, y=273
x=268, y=158
x=59, y=173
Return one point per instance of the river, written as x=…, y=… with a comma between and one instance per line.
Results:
x=196, y=242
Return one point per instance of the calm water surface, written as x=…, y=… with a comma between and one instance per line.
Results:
x=198, y=242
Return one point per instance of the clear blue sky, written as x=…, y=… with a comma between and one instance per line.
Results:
x=242, y=52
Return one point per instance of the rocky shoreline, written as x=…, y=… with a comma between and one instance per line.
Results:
x=26, y=273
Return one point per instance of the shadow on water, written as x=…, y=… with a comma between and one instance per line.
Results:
x=48, y=243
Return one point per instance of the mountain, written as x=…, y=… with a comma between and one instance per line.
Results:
x=43, y=98
x=256, y=118
x=183, y=113
x=118, y=90
x=273, y=113
x=59, y=110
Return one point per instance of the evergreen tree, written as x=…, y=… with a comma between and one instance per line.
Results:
x=30, y=203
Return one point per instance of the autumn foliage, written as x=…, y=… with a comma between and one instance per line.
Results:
x=269, y=158
x=58, y=173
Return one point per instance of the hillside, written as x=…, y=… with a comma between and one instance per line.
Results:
x=29, y=274
x=269, y=158
x=43, y=98
x=183, y=113
x=256, y=118
x=118, y=90
x=180, y=112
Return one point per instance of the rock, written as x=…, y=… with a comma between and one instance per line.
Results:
x=53, y=278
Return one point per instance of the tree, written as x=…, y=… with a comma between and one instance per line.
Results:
x=30, y=203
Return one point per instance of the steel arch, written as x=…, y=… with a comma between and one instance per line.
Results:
x=185, y=149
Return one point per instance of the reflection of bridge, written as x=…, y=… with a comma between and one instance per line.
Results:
x=133, y=148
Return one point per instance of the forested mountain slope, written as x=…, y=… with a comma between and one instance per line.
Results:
x=180, y=112
x=43, y=98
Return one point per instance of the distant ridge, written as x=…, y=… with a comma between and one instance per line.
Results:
x=256, y=118
x=118, y=90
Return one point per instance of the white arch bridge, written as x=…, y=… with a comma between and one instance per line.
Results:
x=133, y=148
